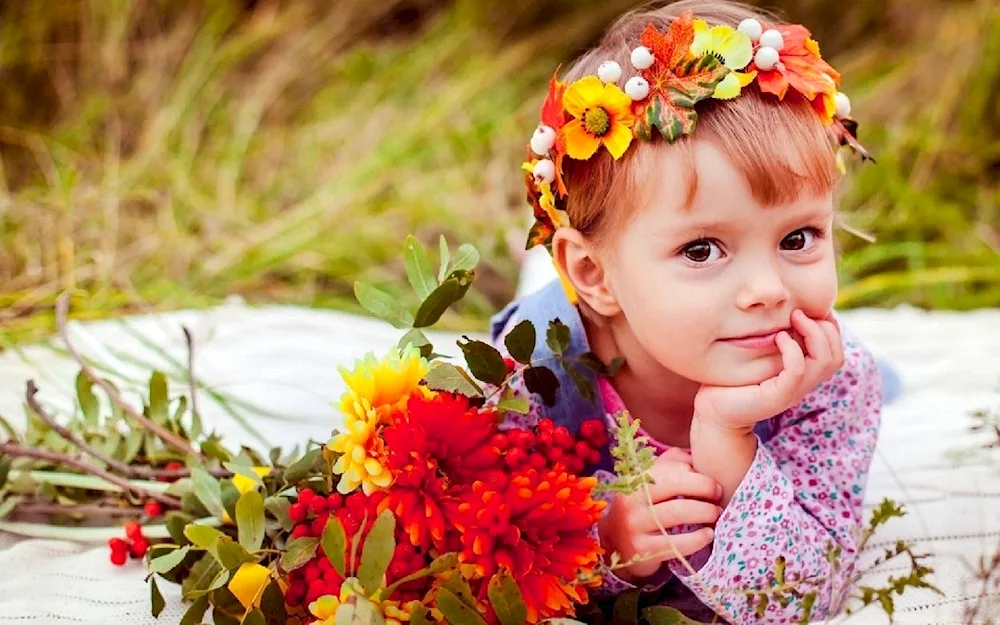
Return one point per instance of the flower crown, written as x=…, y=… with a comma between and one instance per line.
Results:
x=689, y=63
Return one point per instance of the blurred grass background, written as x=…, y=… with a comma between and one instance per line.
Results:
x=157, y=154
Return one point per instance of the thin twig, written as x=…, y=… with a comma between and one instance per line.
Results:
x=194, y=387
x=40, y=454
x=62, y=306
x=89, y=511
x=129, y=471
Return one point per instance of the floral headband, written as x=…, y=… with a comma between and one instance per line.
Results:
x=675, y=70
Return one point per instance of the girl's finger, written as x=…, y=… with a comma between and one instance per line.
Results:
x=836, y=344
x=677, y=512
x=672, y=480
x=817, y=342
x=773, y=392
x=675, y=454
x=675, y=545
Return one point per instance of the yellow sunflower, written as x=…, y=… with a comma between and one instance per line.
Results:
x=602, y=116
x=732, y=48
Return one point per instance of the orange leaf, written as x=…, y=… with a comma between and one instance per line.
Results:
x=553, y=114
x=673, y=94
x=673, y=47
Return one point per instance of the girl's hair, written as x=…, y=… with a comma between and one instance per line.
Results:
x=780, y=146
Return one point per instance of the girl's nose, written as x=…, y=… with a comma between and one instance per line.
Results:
x=762, y=288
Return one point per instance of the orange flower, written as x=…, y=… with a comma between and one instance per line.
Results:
x=602, y=116
x=537, y=527
x=801, y=68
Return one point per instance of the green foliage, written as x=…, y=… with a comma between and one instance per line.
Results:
x=633, y=457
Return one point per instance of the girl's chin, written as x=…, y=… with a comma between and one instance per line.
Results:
x=745, y=373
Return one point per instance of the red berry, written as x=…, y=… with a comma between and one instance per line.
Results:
x=139, y=547
x=312, y=574
x=118, y=544
x=357, y=502
x=537, y=461
x=582, y=449
x=546, y=425
x=595, y=456
x=118, y=558
x=334, y=501
x=562, y=437
x=556, y=455
x=133, y=530
x=591, y=429
x=544, y=440
x=316, y=590
x=319, y=524
x=510, y=363
x=317, y=505
x=333, y=580
x=306, y=495
x=324, y=563
x=499, y=441
x=516, y=457
x=153, y=508
x=300, y=531
x=297, y=512
x=576, y=465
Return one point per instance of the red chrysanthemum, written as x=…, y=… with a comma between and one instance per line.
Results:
x=456, y=435
x=537, y=526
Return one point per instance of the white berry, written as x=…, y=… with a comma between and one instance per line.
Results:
x=542, y=140
x=843, y=105
x=751, y=28
x=544, y=171
x=772, y=39
x=609, y=71
x=642, y=58
x=637, y=88
x=766, y=59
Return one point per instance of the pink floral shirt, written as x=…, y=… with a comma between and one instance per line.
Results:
x=801, y=499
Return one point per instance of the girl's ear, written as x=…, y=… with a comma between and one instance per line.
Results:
x=584, y=268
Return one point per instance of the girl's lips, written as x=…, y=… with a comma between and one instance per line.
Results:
x=758, y=341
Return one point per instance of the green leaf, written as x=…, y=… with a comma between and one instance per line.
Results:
x=455, y=611
x=5, y=464
x=458, y=585
x=231, y=554
x=377, y=551
x=543, y=381
x=449, y=378
x=278, y=507
x=335, y=544
x=255, y=617
x=506, y=599
x=626, y=610
x=272, y=604
x=158, y=399
x=213, y=449
x=520, y=342
x=298, y=552
x=509, y=403
x=466, y=258
x=661, y=615
x=133, y=443
x=167, y=562
x=208, y=491
x=557, y=337
x=303, y=466
x=204, y=537
x=419, y=271
x=245, y=471
x=435, y=305
x=196, y=612
x=485, y=362
x=155, y=598
x=221, y=618
x=88, y=401
x=419, y=340
x=7, y=505
x=383, y=305
x=440, y=564
x=418, y=616
x=582, y=384
x=176, y=522
x=201, y=576
x=250, y=520
x=445, y=254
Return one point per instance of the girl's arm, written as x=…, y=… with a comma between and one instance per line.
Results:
x=800, y=500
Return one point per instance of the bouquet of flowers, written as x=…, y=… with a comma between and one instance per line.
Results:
x=425, y=505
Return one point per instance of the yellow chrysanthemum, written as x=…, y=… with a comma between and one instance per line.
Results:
x=325, y=608
x=733, y=49
x=602, y=116
x=359, y=464
x=375, y=387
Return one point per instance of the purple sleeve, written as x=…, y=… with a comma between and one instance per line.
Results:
x=802, y=497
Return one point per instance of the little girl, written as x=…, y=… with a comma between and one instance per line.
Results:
x=683, y=178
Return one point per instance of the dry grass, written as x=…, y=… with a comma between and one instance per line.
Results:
x=157, y=154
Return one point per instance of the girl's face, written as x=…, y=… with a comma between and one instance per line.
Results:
x=704, y=288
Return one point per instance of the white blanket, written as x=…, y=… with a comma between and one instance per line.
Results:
x=283, y=360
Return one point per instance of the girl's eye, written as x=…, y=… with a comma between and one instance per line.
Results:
x=799, y=240
x=702, y=251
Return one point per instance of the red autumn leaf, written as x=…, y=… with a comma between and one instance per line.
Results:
x=672, y=48
x=553, y=113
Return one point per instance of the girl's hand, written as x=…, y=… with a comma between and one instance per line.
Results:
x=743, y=406
x=630, y=526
